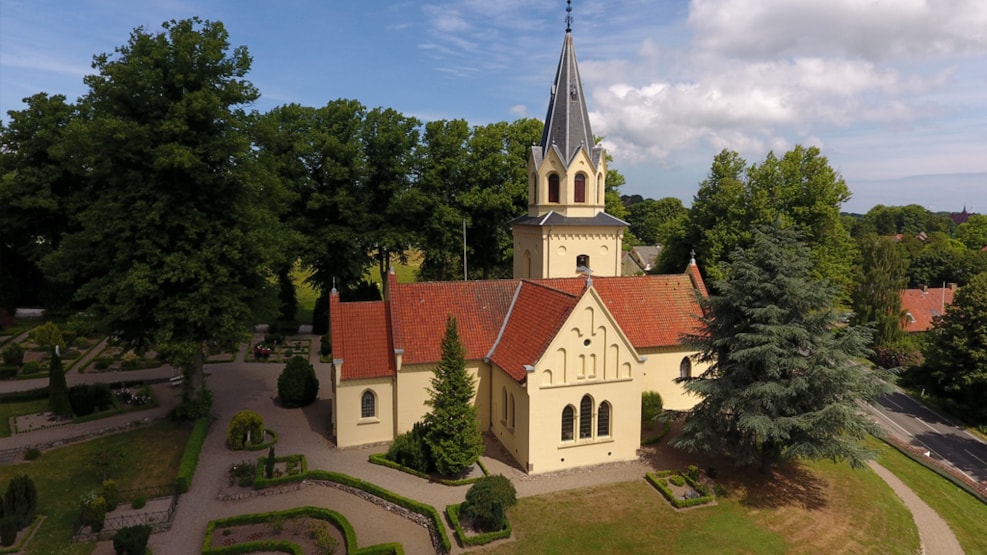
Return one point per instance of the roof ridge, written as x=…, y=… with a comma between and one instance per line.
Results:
x=503, y=324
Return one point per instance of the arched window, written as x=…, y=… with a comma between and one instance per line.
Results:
x=526, y=263
x=582, y=262
x=553, y=188
x=510, y=420
x=368, y=404
x=603, y=420
x=568, y=414
x=685, y=368
x=503, y=397
x=580, y=192
x=586, y=417
x=534, y=187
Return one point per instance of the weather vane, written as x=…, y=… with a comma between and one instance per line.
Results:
x=568, y=16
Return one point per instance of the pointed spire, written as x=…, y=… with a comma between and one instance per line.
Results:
x=567, y=122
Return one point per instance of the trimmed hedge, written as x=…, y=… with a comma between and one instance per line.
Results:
x=190, y=458
x=381, y=459
x=283, y=546
x=26, y=395
x=427, y=511
x=16, y=548
x=657, y=479
x=452, y=511
x=262, y=446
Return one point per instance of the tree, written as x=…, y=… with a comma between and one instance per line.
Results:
x=654, y=221
x=956, y=353
x=487, y=502
x=246, y=428
x=58, y=389
x=800, y=188
x=782, y=382
x=973, y=232
x=876, y=295
x=453, y=433
x=175, y=243
x=297, y=384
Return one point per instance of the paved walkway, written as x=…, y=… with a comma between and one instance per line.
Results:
x=253, y=386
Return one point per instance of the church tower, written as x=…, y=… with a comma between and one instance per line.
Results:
x=566, y=230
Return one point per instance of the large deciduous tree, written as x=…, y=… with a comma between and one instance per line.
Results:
x=453, y=434
x=175, y=240
x=956, y=353
x=782, y=382
x=881, y=276
x=800, y=188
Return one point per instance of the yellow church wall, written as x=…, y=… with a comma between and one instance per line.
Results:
x=351, y=428
x=659, y=373
x=554, y=252
x=511, y=432
x=538, y=180
x=588, y=357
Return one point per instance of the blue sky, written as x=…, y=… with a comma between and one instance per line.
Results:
x=894, y=92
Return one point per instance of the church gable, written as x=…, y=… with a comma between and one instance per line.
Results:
x=589, y=347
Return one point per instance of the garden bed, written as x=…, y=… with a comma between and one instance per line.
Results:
x=680, y=489
x=272, y=348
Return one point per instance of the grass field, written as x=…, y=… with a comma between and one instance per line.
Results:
x=965, y=514
x=813, y=508
x=147, y=457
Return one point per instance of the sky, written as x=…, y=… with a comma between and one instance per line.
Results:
x=893, y=92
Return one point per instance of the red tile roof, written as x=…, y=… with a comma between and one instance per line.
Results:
x=361, y=337
x=924, y=306
x=653, y=311
x=534, y=320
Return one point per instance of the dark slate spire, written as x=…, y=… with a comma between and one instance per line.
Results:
x=567, y=122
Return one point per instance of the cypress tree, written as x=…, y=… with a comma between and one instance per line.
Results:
x=58, y=389
x=453, y=435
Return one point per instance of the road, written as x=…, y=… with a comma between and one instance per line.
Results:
x=917, y=424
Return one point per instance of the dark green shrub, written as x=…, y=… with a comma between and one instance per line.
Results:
x=9, y=372
x=131, y=540
x=86, y=399
x=12, y=355
x=711, y=472
x=325, y=345
x=31, y=367
x=245, y=424
x=676, y=480
x=32, y=453
x=138, y=502
x=83, y=323
x=651, y=406
x=68, y=336
x=243, y=474
x=693, y=472
x=20, y=502
x=269, y=464
x=273, y=339
x=487, y=502
x=320, y=315
x=297, y=384
x=411, y=450
x=111, y=493
x=8, y=531
x=59, y=400
x=102, y=363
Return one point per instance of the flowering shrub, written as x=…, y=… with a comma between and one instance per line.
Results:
x=262, y=351
x=133, y=398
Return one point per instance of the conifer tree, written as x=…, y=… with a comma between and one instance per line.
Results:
x=783, y=382
x=453, y=435
x=58, y=388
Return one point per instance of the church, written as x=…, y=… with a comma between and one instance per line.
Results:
x=560, y=354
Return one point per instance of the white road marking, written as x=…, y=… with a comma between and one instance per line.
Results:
x=976, y=457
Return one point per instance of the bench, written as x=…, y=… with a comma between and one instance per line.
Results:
x=176, y=381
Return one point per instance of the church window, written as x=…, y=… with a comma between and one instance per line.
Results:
x=603, y=420
x=510, y=421
x=503, y=412
x=553, y=188
x=580, y=192
x=685, y=368
x=368, y=404
x=582, y=262
x=568, y=415
x=586, y=417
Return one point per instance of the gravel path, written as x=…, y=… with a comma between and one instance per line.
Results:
x=253, y=386
x=933, y=532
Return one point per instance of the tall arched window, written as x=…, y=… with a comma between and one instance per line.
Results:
x=368, y=404
x=603, y=420
x=503, y=396
x=586, y=417
x=685, y=368
x=510, y=420
x=568, y=414
x=553, y=188
x=580, y=192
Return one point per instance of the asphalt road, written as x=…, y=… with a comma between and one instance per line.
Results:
x=916, y=423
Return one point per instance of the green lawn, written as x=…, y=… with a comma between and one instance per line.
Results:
x=965, y=514
x=8, y=410
x=148, y=457
x=815, y=508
